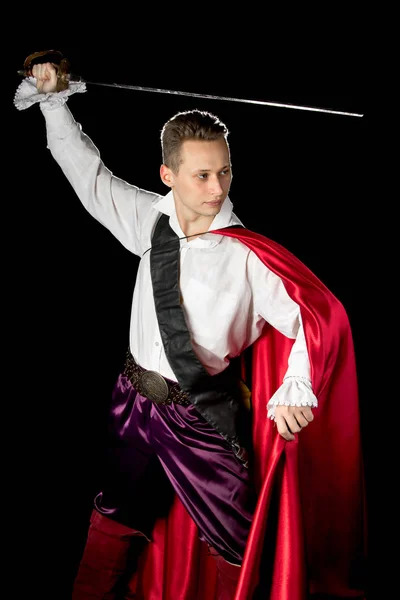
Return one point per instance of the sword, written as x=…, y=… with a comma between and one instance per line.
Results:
x=139, y=88
x=64, y=77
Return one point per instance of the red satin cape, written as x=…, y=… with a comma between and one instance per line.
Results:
x=308, y=534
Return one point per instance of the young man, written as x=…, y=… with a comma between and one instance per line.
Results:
x=206, y=290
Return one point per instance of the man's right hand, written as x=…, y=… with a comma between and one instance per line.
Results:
x=46, y=77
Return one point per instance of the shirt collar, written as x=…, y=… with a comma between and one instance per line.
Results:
x=224, y=218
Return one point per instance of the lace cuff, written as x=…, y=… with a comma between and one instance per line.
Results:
x=27, y=94
x=294, y=391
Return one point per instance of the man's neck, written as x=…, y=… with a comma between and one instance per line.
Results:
x=193, y=225
x=193, y=230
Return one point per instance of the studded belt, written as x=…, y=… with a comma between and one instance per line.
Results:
x=152, y=385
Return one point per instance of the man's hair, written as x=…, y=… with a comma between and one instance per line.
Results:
x=188, y=125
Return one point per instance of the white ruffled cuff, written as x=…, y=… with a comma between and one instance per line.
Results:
x=294, y=391
x=27, y=94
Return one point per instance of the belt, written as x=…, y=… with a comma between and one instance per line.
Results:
x=154, y=386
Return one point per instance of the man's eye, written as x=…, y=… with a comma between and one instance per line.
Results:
x=202, y=175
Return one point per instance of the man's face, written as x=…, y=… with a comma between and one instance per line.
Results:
x=203, y=180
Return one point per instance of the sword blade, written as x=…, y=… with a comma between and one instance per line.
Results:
x=139, y=88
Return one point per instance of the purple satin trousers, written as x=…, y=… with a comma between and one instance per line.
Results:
x=157, y=449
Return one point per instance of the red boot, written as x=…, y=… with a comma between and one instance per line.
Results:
x=228, y=577
x=107, y=560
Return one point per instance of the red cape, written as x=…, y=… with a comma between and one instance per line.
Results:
x=308, y=533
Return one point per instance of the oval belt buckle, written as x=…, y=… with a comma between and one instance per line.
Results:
x=154, y=386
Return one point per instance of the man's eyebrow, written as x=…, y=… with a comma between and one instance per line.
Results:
x=209, y=170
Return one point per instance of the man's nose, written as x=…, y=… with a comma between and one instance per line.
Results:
x=215, y=186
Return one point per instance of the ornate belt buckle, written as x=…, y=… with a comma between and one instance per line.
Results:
x=154, y=386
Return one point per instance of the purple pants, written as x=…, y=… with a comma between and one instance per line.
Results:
x=153, y=446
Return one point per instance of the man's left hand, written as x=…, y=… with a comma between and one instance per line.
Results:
x=292, y=419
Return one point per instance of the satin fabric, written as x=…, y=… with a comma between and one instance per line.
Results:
x=315, y=482
x=213, y=485
x=308, y=532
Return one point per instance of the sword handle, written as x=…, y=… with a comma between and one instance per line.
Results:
x=59, y=62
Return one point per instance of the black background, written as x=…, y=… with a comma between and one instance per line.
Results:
x=299, y=177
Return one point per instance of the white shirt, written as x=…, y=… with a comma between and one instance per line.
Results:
x=228, y=293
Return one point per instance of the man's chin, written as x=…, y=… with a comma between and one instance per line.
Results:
x=212, y=208
x=212, y=212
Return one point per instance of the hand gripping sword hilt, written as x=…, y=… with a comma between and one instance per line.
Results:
x=56, y=58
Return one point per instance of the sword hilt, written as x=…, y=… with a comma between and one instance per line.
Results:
x=56, y=58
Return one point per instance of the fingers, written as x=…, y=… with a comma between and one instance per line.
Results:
x=307, y=413
x=46, y=77
x=283, y=429
x=292, y=419
x=43, y=71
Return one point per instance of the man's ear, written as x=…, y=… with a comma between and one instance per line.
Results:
x=167, y=176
